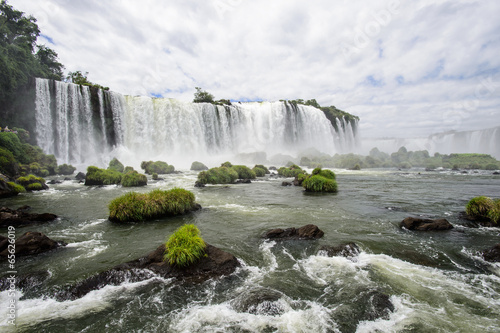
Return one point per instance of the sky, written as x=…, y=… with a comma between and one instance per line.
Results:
x=406, y=68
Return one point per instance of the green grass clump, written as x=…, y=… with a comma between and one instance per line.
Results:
x=292, y=171
x=319, y=183
x=65, y=169
x=324, y=172
x=158, y=167
x=133, y=178
x=244, y=172
x=494, y=212
x=116, y=165
x=137, y=207
x=259, y=172
x=220, y=175
x=185, y=246
x=16, y=187
x=479, y=207
x=31, y=182
x=198, y=166
x=96, y=176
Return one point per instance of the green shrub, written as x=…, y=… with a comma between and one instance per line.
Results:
x=43, y=173
x=319, y=183
x=260, y=166
x=244, y=172
x=155, y=176
x=16, y=187
x=34, y=168
x=133, y=178
x=226, y=165
x=138, y=207
x=324, y=172
x=158, y=167
x=494, y=212
x=116, y=165
x=292, y=171
x=491, y=166
x=8, y=163
x=479, y=207
x=96, y=176
x=65, y=169
x=198, y=166
x=185, y=246
x=128, y=169
x=259, y=172
x=220, y=175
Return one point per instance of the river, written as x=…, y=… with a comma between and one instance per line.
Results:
x=436, y=281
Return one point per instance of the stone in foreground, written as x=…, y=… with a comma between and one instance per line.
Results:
x=413, y=223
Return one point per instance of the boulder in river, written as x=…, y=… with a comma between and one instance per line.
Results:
x=309, y=231
x=492, y=254
x=414, y=223
x=343, y=250
x=30, y=243
x=216, y=263
x=20, y=218
x=259, y=301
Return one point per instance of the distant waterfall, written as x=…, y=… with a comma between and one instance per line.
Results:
x=82, y=125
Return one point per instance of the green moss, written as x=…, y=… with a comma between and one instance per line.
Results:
x=259, y=172
x=96, y=176
x=198, y=166
x=479, y=207
x=244, y=172
x=319, y=183
x=138, y=207
x=185, y=246
x=30, y=179
x=34, y=187
x=220, y=175
x=158, y=167
x=133, y=179
x=116, y=165
x=18, y=188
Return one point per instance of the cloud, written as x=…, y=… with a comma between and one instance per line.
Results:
x=406, y=68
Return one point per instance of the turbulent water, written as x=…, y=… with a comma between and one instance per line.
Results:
x=79, y=126
x=436, y=282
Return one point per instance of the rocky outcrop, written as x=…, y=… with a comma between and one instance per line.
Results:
x=309, y=231
x=477, y=220
x=414, y=223
x=343, y=250
x=493, y=254
x=20, y=218
x=30, y=243
x=216, y=263
x=259, y=301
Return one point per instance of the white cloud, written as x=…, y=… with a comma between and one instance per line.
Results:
x=406, y=68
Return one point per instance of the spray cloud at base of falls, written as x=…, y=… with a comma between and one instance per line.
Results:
x=84, y=125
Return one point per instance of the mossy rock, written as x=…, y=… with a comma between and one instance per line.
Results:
x=65, y=169
x=158, y=167
x=198, y=166
x=291, y=171
x=116, y=165
x=134, y=179
x=244, y=172
x=319, y=183
x=220, y=175
x=96, y=176
x=32, y=183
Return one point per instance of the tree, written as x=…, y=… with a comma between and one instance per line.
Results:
x=50, y=68
x=201, y=96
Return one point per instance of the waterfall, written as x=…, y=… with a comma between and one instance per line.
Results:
x=82, y=125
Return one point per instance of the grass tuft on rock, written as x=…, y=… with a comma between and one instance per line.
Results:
x=96, y=176
x=185, y=246
x=134, y=179
x=31, y=182
x=319, y=181
x=138, y=207
x=220, y=175
x=291, y=171
x=244, y=172
x=158, y=167
x=479, y=207
x=116, y=165
x=17, y=188
x=494, y=212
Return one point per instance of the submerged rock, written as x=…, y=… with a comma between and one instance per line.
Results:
x=285, y=183
x=414, y=223
x=30, y=243
x=25, y=282
x=216, y=263
x=493, y=254
x=80, y=176
x=378, y=305
x=20, y=218
x=478, y=220
x=343, y=250
x=309, y=231
x=259, y=301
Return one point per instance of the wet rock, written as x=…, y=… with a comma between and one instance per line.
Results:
x=343, y=250
x=25, y=282
x=20, y=218
x=243, y=181
x=80, y=176
x=496, y=173
x=285, y=183
x=309, y=231
x=493, y=254
x=477, y=220
x=31, y=243
x=378, y=305
x=414, y=223
x=199, y=184
x=53, y=182
x=5, y=190
x=260, y=301
x=216, y=263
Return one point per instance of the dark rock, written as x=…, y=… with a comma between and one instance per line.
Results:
x=493, y=254
x=259, y=301
x=464, y=172
x=53, y=182
x=478, y=220
x=80, y=176
x=5, y=190
x=25, y=282
x=378, y=305
x=243, y=181
x=19, y=218
x=413, y=223
x=199, y=184
x=286, y=184
x=67, y=178
x=496, y=173
x=31, y=243
x=216, y=263
x=309, y=231
x=272, y=168
x=343, y=250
